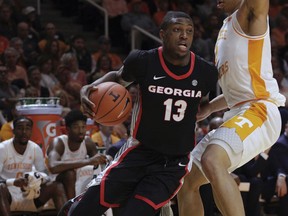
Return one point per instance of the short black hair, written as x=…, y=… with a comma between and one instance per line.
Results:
x=73, y=116
x=170, y=15
x=19, y=118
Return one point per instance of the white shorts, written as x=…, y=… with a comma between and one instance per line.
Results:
x=248, y=130
x=18, y=202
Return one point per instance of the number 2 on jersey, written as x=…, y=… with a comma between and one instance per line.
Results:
x=181, y=108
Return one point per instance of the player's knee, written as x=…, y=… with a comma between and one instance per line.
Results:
x=68, y=176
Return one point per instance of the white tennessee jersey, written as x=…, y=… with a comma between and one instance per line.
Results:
x=68, y=155
x=244, y=65
x=14, y=165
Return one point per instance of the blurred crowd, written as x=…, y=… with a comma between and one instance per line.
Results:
x=37, y=60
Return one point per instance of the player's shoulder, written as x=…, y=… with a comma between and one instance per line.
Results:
x=204, y=62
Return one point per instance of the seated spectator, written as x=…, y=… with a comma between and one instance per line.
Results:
x=70, y=63
x=34, y=77
x=19, y=191
x=50, y=33
x=276, y=172
x=68, y=155
x=104, y=47
x=33, y=19
x=84, y=58
x=17, y=43
x=8, y=93
x=4, y=43
x=163, y=7
x=104, y=137
x=15, y=71
x=30, y=42
x=48, y=77
x=103, y=66
x=7, y=21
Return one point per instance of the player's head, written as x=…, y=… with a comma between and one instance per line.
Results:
x=22, y=129
x=75, y=122
x=176, y=32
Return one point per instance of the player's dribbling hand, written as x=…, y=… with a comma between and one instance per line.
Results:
x=86, y=104
x=98, y=159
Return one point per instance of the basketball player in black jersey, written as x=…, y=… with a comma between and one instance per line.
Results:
x=149, y=169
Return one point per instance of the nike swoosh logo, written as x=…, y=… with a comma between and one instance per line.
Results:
x=182, y=165
x=157, y=78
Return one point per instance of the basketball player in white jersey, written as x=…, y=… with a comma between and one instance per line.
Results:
x=69, y=153
x=19, y=155
x=252, y=124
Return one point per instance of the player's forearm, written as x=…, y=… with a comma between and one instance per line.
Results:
x=218, y=103
x=62, y=166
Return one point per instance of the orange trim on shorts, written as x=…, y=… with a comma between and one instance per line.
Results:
x=244, y=124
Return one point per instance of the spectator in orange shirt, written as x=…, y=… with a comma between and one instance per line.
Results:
x=104, y=47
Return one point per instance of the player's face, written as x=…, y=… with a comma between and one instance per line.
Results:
x=178, y=37
x=77, y=131
x=22, y=132
x=228, y=6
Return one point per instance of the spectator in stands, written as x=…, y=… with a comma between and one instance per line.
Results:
x=280, y=29
x=104, y=47
x=30, y=42
x=48, y=78
x=19, y=190
x=103, y=66
x=34, y=77
x=50, y=33
x=8, y=93
x=6, y=131
x=31, y=17
x=4, y=43
x=163, y=7
x=15, y=71
x=17, y=43
x=69, y=62
x=69, y=154
x=199, y=45
x=104, y=137
x=142, y=20
x=84, y=58
x=276, y=173
x=52, y=49
x=7, y=21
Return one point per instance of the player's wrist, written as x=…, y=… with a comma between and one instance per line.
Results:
x=10, y=182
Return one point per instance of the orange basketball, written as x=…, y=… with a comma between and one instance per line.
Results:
x=113, y=103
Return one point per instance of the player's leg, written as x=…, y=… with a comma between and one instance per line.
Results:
x=5, y=200
x=189, y=199
x=54, y=190
x=68, y=179
x=89, y=205
x=215, y=163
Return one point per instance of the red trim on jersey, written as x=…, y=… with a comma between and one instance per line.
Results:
x=170, y=73
x=102, y=184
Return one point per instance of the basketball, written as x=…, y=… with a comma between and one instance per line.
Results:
x=113, y=103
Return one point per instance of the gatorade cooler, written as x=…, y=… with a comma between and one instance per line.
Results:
x=46, y=116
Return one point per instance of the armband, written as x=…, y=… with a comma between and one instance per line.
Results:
x=10, y=182
x=282, y=175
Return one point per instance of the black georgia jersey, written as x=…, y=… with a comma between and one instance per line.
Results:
x=169, y=99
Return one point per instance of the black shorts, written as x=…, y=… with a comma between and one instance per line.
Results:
x=143, y=174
